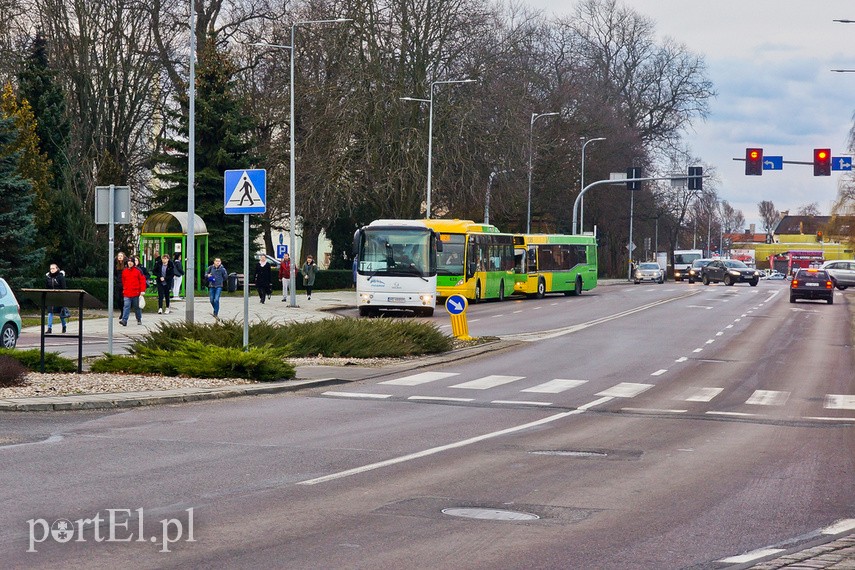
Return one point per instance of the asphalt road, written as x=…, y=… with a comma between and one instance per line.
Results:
x=650, y=426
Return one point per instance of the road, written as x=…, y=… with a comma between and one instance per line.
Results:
x=653, y=426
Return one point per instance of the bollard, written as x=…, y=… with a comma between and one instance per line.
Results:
x=456, y=307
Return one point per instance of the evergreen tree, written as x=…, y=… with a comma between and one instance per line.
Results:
x=17, y=231
x=222, y=143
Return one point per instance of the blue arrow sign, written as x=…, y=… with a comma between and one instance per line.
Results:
x=841, y=163
x=245, y=191
x=773, y=163
x=456, y=304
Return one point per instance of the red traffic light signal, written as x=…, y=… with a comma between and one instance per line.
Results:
x=822, y=162
x=754, y=161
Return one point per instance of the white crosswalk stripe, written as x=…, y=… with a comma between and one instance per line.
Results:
x=421, y=378
x=625, y=390
x=488, y=382
x=703, y=394
x=768, y=398
x=555, y=386
x=839, y=402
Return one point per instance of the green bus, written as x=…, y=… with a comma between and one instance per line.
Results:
x=552, y=263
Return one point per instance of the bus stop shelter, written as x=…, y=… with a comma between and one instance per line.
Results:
x=166, y=232
x=78, y=298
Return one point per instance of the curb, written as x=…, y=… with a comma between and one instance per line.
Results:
x=151, y=398
x=117, y=400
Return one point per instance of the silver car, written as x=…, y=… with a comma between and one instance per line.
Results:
x=842, y=272
x=648, y=272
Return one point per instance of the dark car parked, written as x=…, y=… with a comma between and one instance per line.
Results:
x=729, y=272
x=812, y=284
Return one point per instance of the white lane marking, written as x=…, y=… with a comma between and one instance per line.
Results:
x=681, y=359
x=839, y=402
x=420, y=378
x=735, y=414
x=441, y=399
x=698, y=307
x=768, y=398
x=357, y=395
x=737, y=320
x=659, y=372
x=488, y=382
x=474, y=320
x=625, y=390
x=55, y=438
x=704, y=394
x=710, y=341
x=537, y=308
x=454, y=445
x=497, y=316
x=555, y=386
x=743, y=315
x=515, y=312
x=840, y=526
x=654, y=411
x=523, y=402
x=552, y=304
x=729, y=327
x=698, y=350
x=826, y=419
x=719, y=333
x=749, y=556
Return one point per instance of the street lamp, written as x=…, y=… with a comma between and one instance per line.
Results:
x=534, y=117
x=430, y=129
x=489, y=187
x=190, y=254
x=582, y=201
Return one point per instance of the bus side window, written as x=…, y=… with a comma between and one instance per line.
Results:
x=532, y=260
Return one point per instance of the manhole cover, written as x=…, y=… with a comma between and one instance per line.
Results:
x=489, y=514
x=572, y=453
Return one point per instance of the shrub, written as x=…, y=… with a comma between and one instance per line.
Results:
x=12, y=372
x=31, y=360
x=193, y=358
x=356, y=338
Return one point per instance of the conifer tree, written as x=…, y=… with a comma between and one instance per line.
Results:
x=17, y=231
x=222, y=143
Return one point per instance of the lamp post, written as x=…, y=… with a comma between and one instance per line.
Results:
x=190, y=254
x=582, y=202
x=534, y=117
x=430, y=129
x=292, y=219
x=489, y=187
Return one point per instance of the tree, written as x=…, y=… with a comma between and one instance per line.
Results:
x=811, y=209
x=768, y=214
x=17, y=230
x=732, y=220
x=223, y=143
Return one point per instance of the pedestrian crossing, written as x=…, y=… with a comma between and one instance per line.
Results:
x=757, y=400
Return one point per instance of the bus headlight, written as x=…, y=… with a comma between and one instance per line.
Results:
x=365, y=298
x=427, y=299
x=459, y=283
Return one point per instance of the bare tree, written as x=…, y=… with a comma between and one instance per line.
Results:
x=768, y=214
x=811, y=209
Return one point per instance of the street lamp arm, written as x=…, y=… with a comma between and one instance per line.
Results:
x=414, y=99
x=265, y=44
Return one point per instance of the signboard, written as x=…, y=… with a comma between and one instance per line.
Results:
x=245, y=191
x=121, y=205
x=456, y=304
x=281, y=250
x=841, y=163
x=773, y=163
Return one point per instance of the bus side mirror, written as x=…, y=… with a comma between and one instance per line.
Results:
x=438, y=236
x=356, y=239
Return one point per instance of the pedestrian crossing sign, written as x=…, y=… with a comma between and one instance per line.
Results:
x=245, y=191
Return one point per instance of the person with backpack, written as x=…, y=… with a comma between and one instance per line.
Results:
x=178, y=275
x=216, y=276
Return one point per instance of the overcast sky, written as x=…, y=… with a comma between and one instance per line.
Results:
x=770, y=62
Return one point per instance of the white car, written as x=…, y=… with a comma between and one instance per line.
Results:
x=842, y=272
x=649, y=271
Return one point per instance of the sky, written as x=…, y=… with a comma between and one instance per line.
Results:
x=770, y=62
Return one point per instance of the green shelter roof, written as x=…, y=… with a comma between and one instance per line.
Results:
x=172, y=223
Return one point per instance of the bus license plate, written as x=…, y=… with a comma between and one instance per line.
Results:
x=396, y=300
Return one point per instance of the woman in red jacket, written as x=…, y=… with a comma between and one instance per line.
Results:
x=133, y=285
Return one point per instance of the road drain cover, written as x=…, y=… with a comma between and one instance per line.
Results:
x=572, y=453
x=489, y=514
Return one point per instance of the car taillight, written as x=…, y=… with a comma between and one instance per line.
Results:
x=829, y=285
x=795, y=283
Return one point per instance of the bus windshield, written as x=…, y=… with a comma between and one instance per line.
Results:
x=450, y=261
x=396, y=251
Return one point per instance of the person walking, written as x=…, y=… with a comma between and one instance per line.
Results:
x=285, y=276
x=310, y=270
x=118, y=267
x=55, y=279
x=262, y=279
x=216, y=276
x=177, y=276
x=164, y=273
x=134, y=284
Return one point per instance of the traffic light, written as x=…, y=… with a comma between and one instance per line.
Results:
x=633, y=172
x=696, y=183
x=822, y=162
x=754, y=161
x=819, y=236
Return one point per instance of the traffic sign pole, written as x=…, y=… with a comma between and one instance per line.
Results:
x=456, y=307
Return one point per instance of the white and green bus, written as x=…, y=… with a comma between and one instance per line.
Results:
x=555, y=263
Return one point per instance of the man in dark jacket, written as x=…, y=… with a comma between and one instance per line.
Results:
x=262, y=279
x=164, y=272
x=55, y=279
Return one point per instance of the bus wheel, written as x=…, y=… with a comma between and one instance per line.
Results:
x=501, y=291
x=477, y=292
x=541, y=288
